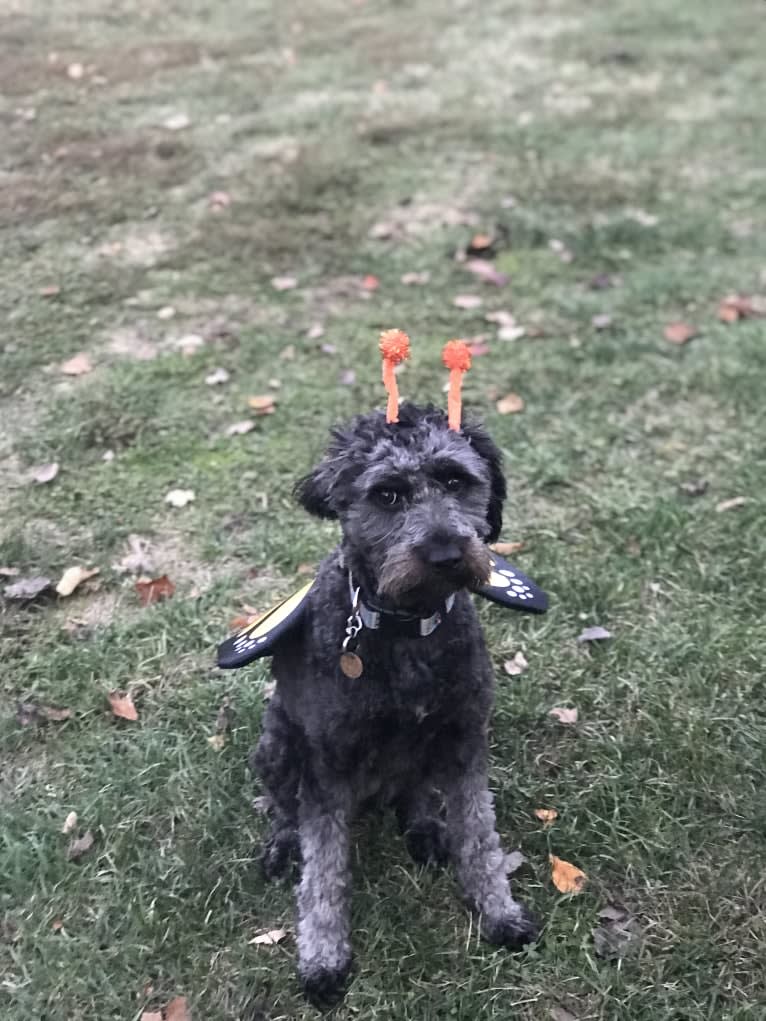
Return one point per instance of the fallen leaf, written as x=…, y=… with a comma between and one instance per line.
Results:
x=51, y=291
x=166, y=312
x=314, y=332
x=69, y=823
x=107, y=456
x=546, y=816
x=347, y=377
x=567, y=878
x=217, y=741
x=57, y=924
x=218, y=200
x=75, y=71
x=567, y=716
x=381, y=231
x=594, y=634
x=122, y=705
x=486, y=272
x=177, y=122
x=80, y=846
x=694, y=487
x=560, y=1014
x=602, y=321
x=415, y=279
x=30, y=713
x=151, y=1015
x=735, y=307
x=27, y=588
x=506, y=549
x=618, y=934
x=240, y=621
x=511, y=333
x=179, y=497
x=510, y=404
x=78, y=365
x=328, y=349
x=263, y=404
x=479, y=245
x=74, y=576
x=370, y=282
x=178, y=1010
x=217, y=376
x=270, y=938
x=240, y=428
x=560, y=249
x=45, y=473
x=732, y=504
x=516, y=666
x=154, y=590
x=679, y=333
x=189, y=343
x=283, y=283
x=9, y=572
x=466, y=301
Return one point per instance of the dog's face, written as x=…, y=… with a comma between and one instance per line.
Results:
x=416, y=501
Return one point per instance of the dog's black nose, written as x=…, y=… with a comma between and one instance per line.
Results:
x=443, y=554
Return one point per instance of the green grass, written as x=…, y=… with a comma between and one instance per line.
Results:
x=321, y=120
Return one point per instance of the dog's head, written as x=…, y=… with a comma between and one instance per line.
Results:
x=416, y=501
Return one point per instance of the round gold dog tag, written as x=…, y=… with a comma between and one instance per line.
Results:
x=351, y=664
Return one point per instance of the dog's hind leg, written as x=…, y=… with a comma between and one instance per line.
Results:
x=478, y=856
x=276, y=760
x=420, y=815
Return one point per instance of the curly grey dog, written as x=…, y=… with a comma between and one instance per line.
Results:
x=417, y=503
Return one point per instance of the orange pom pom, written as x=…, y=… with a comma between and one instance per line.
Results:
x=457, y=355
x=394, y=346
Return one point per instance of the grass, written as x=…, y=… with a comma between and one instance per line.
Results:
x=628, y=133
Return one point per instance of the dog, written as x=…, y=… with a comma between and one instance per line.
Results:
x=402, y=719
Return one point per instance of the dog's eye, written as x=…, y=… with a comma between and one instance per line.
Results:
x=453, y=484
x=386, y=497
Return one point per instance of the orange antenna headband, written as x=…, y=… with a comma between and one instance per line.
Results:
x=457, y=357
x=395, y=347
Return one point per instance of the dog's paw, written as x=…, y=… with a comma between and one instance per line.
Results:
x=512, y=931
x=324, y=987
x=427, y=842
x=280, y=853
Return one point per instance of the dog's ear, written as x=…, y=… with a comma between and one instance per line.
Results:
x=313, y=491
x=485, y=447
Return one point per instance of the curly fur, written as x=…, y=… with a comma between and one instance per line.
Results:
x=412, y=731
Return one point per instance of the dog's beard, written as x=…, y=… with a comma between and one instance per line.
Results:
x=406, y=579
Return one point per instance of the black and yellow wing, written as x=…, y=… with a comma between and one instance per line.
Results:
x=261, y=635
x=508, y=586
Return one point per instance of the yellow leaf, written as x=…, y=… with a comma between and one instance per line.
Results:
x=510, y=404
x=567, y=878
x=263, y=404
x=546, y=815
x=217, y=741
x=72, y=577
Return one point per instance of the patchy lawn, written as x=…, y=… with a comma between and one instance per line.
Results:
x=161, y=164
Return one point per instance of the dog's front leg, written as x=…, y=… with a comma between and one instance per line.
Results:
x=324, y=949
x=475, y=849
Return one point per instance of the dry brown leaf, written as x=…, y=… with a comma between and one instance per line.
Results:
x=516, y=666
x=270, y=938
x=218, y=200
x=80, y=846
x=27, y=588
x=217, y=376
x=732, y=504
x=122, y=705
x=240, y=428
x=567, y=878
x=679, y=333
x=240, y=621
x=546, y=816
x=154, y=590
x=736, y=306
x=45, y=473
x=178, y=1010
x=69, y=823
x=57, y=924
x=466, y=301
x=510, y=404
x=151, y=1015
x=594, y=634
x=217, y=741
x=567, y=716
x=78, y=365
x=506, y=549
x=72, y=577
x=263, y=404
x=179, y=497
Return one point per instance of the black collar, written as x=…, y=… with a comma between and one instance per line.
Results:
x=396, y=622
